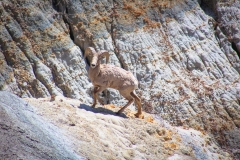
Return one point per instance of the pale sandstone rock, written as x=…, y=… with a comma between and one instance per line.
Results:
x=97, y=133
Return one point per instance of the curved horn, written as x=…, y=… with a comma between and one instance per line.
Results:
x=89, y=51
x=104, y=53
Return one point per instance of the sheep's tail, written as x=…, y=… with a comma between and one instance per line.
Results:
x=135, y=83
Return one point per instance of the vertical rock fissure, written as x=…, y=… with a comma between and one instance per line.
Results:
x=62, y=8
x=66, y=21
x=4, y=54
x=234, y=47
x=113, y=34
x=208, y=6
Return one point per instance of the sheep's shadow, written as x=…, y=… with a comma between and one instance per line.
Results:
x=101, y=110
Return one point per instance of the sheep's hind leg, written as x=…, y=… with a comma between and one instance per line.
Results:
x=128, y=96
x=95, y=94
x=139, y=105
x=122, y=109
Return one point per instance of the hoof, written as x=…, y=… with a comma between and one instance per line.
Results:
x=93, y=106
x=118, y=113
x=139, y=115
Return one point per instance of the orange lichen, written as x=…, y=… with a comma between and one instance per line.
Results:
x=104, y=18
x=149, y=119
x=95, y=21
x=79, y=24
x=150, y=23
x=168, y=135
x=135, y=11
x=171, y=145
x=109, y=106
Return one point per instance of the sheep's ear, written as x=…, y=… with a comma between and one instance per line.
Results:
x=89, y=51
x=104, y=53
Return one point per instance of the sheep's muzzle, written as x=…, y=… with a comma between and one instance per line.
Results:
x=93, y=65
x=94, y=62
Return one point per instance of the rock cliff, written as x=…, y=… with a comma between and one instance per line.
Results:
x=184, y=53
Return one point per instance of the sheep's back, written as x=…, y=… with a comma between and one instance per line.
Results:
x=117, y=77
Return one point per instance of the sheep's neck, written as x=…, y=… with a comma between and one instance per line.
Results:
x=94, y=72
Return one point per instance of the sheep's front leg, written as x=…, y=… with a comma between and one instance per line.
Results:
x=94, y=96
x=96, y=90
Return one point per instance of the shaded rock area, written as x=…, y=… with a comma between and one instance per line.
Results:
x=185, y=54
x=26, y=135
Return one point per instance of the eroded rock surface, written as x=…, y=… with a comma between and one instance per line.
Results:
x=184, y=53
x=98, y=133
x=38, y=57
x=26, y=135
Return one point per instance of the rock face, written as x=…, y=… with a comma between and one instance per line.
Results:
x=25, y=135
x=66, y=129
x=38, y=56
x=184, y=53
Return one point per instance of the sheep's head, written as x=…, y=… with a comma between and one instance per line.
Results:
x=96, y=56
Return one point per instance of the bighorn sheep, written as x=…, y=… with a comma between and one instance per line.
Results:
x=105, y=76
